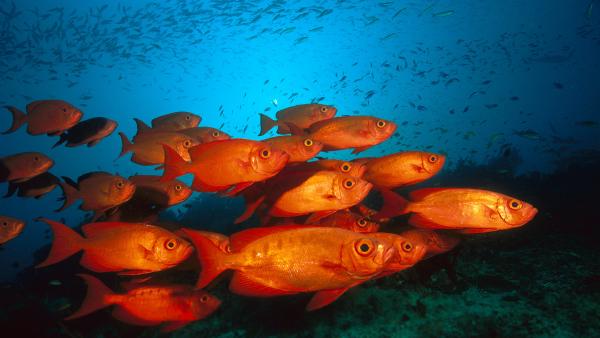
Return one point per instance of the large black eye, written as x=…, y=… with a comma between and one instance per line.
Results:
x=204, y=299
x=36, y=158
x=215, y=134
x=171, y=244
x=65, y=110
x=120, y=184
x=187, y=117
x=362, y=222
x=265, y=153
x=345, y=167
x=349, y=183
x=407, y=246
x=381, y=123
x=308, y=142
x=433, y=159
x=5, y=223
x=178, y=187
x=515, y=204
x=323, y=109
x=364, y=247
x=187, y=143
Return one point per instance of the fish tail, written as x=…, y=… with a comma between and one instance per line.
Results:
x=393, y=205
x=63, y=139
x=12, y=188
x=250, y=209
x=65, y=244
x=126, y=145
x=175, y=165
x=211, y=257
x=19, y=118
x=266, y=124
x=70, y=193
x=142, y=127
x=95, y=298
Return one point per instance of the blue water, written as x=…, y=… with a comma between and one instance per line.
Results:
x=147, y=58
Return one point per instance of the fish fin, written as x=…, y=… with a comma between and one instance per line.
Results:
x=4, y=172
x=134, y=272
x=422, y=222
x=210, y=256
x=240, y=239
x=418, y=168
x=95, y=298
x=317, y=216
x=12, y=188
x=243, y=285
x=476, y=231
x=237, y=189
x=126, y=145
x=360, y=149
x=419, y=195
x=65, y=244
x=125, y=316
x=277, y=212
x=134, y=283
x=93, y=143
x=172, y=326
x=294, y=129
x=142, y=127
x=95, y=229
x=19, y=118
x=324, y=298
x=94, y=263
x=63, y=139
x=266, y=124
x=250, y=209
x=393, y=205
x=175, y=165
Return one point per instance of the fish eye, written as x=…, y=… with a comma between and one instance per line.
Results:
x=265, y=153
x=323, y=109
x=407, y=246
x=120, y=184
x=349, y=183
x=171, y=244
x=65, y=110
x=432, y=159
x=515, y=204
x=204, y=299
x=362, y=222
x=308, y=142
x=5, y=223
x=364, y=247
x=36, y=158
x=187, y=143
x=381, y=124
x=187, y=117
x=178, y=187
x=215, y=134
x=345, y=167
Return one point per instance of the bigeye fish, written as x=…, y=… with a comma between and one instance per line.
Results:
x=302, y=116
x=35, y=187
x=125, y=248
x=205, y=134
x=89, y=132
x=147, y=148
x=401, y=169
x=10, y=228
x=23, y=166
x=51, y=117
x=300, y=149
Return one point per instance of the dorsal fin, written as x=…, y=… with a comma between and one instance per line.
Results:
x=91, y=174
x=419, y=195
x=93, y=229
x=240, y=239
x=142, y=127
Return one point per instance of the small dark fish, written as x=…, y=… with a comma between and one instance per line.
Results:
x=514, y=98
x=35, y=187
x=558, y=85
x=491, y=105
x=88, y=132
x=466, y=109
x=486, y=82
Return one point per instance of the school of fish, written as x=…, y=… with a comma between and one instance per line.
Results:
x=315, y=235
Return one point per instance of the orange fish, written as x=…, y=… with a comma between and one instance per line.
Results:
x=285, y=260
x=23, y=166
x=401, y=169
x=407, y=252
x=356, y=170
x=467, y=210
x=222, y=165
x=148, y=147
x=219, y=240
x=176, y=121
x=301, y=116
x=126, y=248
x=205, y=134
x=350, y=221
x=358, y=132
x=100, y=191
x=163, y=193
x=173, y=305
x=435, y=242
x=299, y=193
x=10, y=228
x=300, y=149
x=50, y=117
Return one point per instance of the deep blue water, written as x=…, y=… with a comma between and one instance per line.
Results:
x=463, y=84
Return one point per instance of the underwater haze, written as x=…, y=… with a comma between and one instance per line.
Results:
x=507, y=91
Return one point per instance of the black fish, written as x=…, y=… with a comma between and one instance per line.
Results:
x=88, y=132
x=35, y=187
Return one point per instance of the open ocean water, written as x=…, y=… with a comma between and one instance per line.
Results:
x=507, y=91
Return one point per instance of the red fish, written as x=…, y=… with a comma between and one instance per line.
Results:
x=287, y=260
x=205, y=134
x=126, y=248
x=174, y=305
x=358, y=132
x=467, y=210
x=353, y=169
x=23, y=166
x=147, y=148
x=90, y=132
x=10, y=228
x=176, y=121
x=401, y=169
x=407, y=252
x=100, y=191
x=300, y=149
x=302, y=116
x=155, y=191
x=435, y=242
x=50, y=117
x=229, y=165
x=350, y=221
